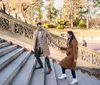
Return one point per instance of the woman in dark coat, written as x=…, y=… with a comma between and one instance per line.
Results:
x=69, y=62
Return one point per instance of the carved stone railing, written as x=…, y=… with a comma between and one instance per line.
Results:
x=59, y=40
x=17, y=26
x=22, y=28
x=89, y=55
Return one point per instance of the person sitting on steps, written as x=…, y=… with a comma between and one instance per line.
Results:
x=84, y=43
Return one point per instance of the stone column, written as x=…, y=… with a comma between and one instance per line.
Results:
x=11, y=28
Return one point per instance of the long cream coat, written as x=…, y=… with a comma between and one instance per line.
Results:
x=46, y=36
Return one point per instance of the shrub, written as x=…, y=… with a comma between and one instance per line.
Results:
x=82, y=23
x=45, y=25
x=76, y=22
x=60, y=27
x=61, y=22
x=51, y=26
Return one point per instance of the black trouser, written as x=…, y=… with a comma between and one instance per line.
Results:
x=37, y=54
x=72, y=71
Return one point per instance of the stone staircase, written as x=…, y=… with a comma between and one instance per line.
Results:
x=17, y=68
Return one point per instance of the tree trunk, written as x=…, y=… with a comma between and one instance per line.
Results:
x=71, y=14
x=87, y=22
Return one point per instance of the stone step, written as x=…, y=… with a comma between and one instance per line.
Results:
x=51, y=78
x=80, y=80
x=6, y=59
x=84, y=78
x=6, y=50
x=92, y=80
x=38, y=77
x=58, y=72
x=95, y=79
x=2, y=45
x=8, y=73
x=69, y=77
x=24, y=75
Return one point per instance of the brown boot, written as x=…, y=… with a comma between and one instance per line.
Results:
x=49, y=71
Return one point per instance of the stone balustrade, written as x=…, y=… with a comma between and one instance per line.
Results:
x=89, y=55
x=85, y=54
x=16, y=26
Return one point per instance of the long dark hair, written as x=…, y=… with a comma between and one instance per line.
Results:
x=72, y=36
